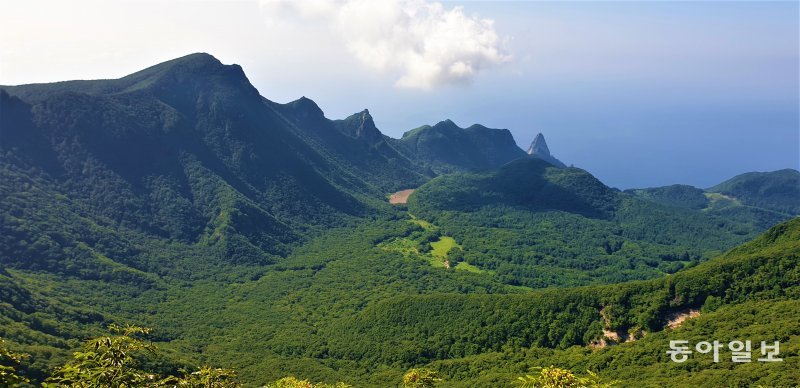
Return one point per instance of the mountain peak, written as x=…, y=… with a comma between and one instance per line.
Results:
x=448, y=147
x=306, y=107
x=365, y=115
x=199, y=58
x=181, y=81
x=189, y=65
x=366, y=118
x=446, y=125
x=182, y=76
x=360, y=126
x=539, y=146
x=539, y=149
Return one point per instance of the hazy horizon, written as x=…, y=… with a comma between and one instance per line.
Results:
x=639, y=94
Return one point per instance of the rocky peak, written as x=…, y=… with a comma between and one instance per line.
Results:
x=366, y=128
x=366, y=122
x=360, y=126
x=539, y=147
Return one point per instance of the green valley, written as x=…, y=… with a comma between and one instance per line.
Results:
x=257, y=237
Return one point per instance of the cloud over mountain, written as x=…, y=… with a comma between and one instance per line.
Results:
x=424, y=43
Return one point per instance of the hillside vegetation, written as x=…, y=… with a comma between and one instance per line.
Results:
x=537, y=225
x=257, y=237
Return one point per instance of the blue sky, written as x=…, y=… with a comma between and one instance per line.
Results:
x=638, y=93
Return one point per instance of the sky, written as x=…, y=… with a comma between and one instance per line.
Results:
x=639, y=93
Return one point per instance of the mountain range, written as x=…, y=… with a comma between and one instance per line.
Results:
x=258, y=236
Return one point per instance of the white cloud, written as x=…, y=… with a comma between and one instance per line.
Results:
x=423, y=43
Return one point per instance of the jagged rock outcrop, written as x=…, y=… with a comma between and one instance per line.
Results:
x=360, y=126
x=539, y=149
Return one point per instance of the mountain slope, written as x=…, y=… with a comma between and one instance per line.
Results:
x=353, y=142
x=763, y=199
x=674, y=195
x=452, y=326
x=645, y=362
x=777, y=190
x=186, y=150
x=536, y=225
x=530, y=183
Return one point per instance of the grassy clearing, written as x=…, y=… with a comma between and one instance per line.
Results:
x=717, y=201
x=405, y=246
x=424, y=224
x=464, y=266
x=720, y=196
x=440, y=248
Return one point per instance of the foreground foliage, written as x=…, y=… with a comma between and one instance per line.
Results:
x=107, y=361
x=420, y=378
x=294, y=382
x=553, y=377
x=119, y=360
x=9, y=362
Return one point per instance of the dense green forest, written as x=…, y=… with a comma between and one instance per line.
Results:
x=537, y=225
x=471, y=337
x=760, y=198
x=256, y=237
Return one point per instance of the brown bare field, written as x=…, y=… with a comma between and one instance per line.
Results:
x=676, y=320
x=400, y=197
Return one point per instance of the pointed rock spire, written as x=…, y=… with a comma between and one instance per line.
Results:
x=367, y=129
x=539, y=147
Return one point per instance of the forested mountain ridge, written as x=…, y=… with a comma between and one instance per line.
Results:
x=764, y=269
x=474, y=339
x=777, y=190
x=185, y=150
x=256, y=235
x=536, y=225
x=446, y=147
x=764, y=198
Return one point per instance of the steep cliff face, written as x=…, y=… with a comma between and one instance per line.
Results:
x=539, y=146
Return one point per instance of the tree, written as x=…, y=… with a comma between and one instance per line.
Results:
x=9, y=362
x=205, y=377
x=294, y=382
x=107, y=361
x=553, y=377
x=420, y=378
x=111, y=361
